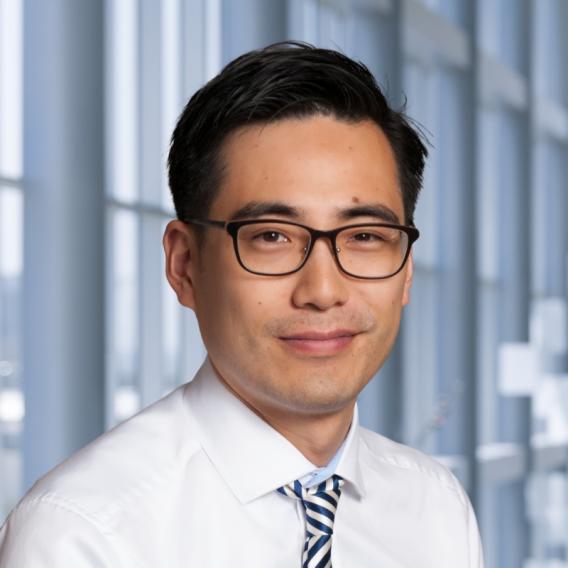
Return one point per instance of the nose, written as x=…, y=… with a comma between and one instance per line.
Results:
x=320, y=283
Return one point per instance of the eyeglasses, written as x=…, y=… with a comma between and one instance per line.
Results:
x=272, y=247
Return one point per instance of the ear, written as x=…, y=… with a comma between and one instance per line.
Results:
x=180, y=246
x=408, y=280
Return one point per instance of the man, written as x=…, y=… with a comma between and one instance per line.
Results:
x=294, y=185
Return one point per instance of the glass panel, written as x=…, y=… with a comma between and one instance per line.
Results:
x=551, y=49
x=150, y=90
x=488, y=196
x=372, y=37
x=213, y=38
x=488, y=28
x=123, y=319
x=487, y=362
x=512, y=36
x=501, y=247
x=437, y=100
x=122, y=121
x=11, y=398
x=423, y=415
x=310, y=21
x=171, y=84
x=502, y=31
x=539, y=210
x=549, y=203
x=10, y=88
x=423, y=95
x=332, y=27
x=547, y=497
x=11, y=217
x=455, y=11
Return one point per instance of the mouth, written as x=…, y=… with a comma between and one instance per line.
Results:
x=318, y=343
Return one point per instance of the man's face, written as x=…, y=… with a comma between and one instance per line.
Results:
x=259, y=330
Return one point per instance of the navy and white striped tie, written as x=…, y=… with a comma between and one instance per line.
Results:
x=320, y=504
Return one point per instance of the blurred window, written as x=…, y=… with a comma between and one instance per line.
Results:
x=11, y=254
x=157, y=52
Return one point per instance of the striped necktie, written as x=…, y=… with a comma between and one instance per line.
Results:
x=320, y=504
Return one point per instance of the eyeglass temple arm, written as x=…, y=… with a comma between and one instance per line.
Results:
x=207, y=223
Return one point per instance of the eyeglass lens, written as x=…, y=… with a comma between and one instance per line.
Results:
x=365, y=251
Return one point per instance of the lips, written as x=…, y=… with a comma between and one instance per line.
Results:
x=322, y=343
x=321, y=335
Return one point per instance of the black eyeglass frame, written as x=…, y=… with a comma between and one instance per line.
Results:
x=232, y=228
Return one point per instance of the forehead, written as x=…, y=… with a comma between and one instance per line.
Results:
x=318, y=165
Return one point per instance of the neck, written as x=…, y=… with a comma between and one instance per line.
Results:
x=318, y=438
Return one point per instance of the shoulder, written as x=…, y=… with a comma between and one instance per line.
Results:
x=138, y=457
x=385, y=454
x=48, y=532
x=422, y=497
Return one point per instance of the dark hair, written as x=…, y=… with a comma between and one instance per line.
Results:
x=284, y=80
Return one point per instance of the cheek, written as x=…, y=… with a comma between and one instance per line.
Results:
x=233, y=305
x=214, y=292
x=253, y=302
x=383, y=297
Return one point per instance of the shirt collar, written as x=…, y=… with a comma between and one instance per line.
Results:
x=349, y=466
x=251, y=456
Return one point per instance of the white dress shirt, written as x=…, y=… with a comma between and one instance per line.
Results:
x=190, y=482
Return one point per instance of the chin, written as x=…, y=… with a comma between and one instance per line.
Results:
x=310, y=405
x=323, y=393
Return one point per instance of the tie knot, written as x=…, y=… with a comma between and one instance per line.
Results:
x=319, y=501
x=330, y=487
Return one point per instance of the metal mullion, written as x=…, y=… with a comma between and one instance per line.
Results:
x=515, y=539
x=193, y=32
x=146, y=209
x=500, y=84
x=427, y=30
x=458, y=331
x=463, y=70
x=550, y=456
x=501, y=463
x=151, y=351
x=551, y=120
x=140, y=208
x=12, y=182
x=509, y=90
x=63, y=278
x=564, y=237
x=110, y=358
x=135, y=207
x=121, y=153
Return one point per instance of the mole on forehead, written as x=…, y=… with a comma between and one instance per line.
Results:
x=355, y=199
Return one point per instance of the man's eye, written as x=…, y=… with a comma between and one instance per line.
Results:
x=271, y=237
x=367, y=237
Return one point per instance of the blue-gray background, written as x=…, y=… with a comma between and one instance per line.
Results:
x=90, y=331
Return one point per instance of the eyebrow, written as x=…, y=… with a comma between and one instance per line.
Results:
x=376, y=210
x=256, y=209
